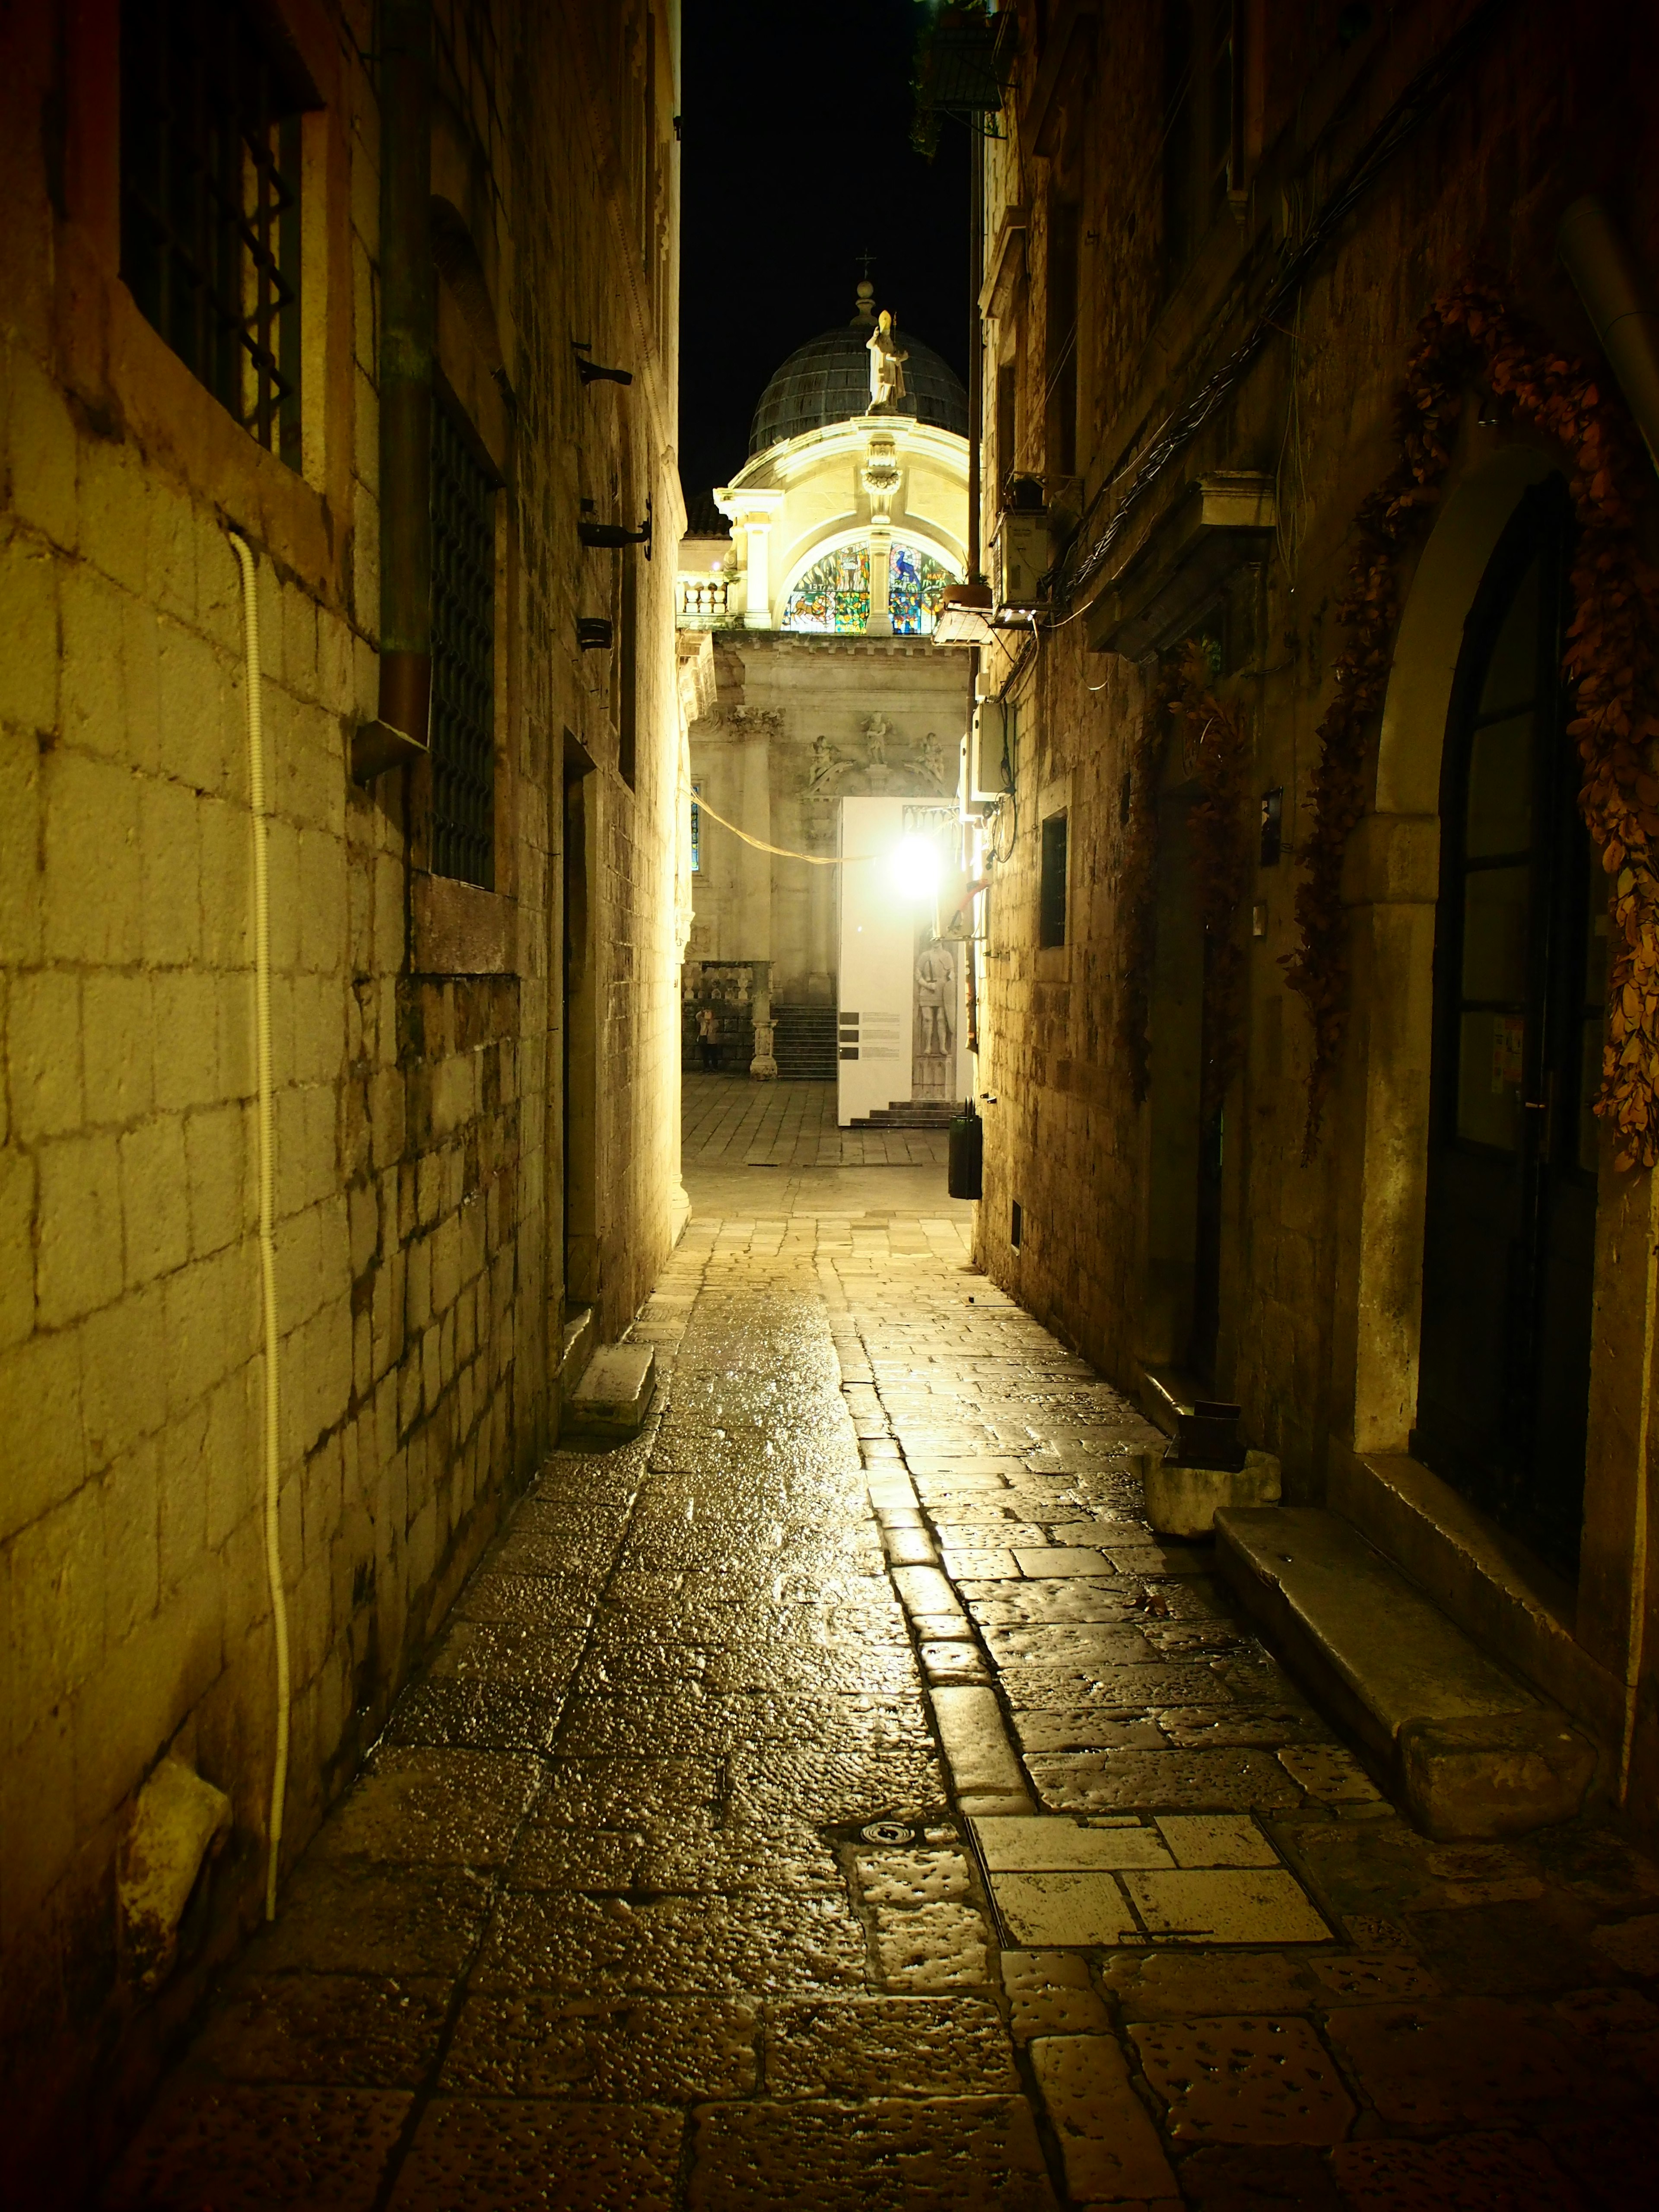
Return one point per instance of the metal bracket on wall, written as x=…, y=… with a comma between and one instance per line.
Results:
x=594, y=372
x=612, y=536
x=376, y=746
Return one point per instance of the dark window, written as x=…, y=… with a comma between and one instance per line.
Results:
x=1051, y=896
x=1016, y=1225
x=210, y=203
x=1199, y=124
x=1007, y=376
x=1063, y=231
x=463, y=654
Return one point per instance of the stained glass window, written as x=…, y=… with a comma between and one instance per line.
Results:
x=697, y=829
x=915, y=584
x=834, y=595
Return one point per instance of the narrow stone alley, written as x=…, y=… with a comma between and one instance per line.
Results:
x=836, y=1797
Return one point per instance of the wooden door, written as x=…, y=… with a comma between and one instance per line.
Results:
x=1520, y=953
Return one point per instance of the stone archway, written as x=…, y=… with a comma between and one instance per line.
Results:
x=1394, y=880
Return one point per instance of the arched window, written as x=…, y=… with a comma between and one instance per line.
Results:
x=833, y=596
x=1521, y=958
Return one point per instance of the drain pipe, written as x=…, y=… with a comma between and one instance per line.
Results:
x=256, y=765
x=408, y=295
x=1619, y=302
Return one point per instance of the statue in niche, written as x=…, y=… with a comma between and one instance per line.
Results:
x=825, y=767
x=886, y=367
x=936, y=977
x=933, y=758
x=876, y=732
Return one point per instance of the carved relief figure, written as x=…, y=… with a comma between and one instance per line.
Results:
x=932, y=758
x=876, y=730
x=936, y=977
x=825, y=767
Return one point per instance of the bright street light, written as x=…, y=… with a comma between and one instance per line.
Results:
x=917, y=869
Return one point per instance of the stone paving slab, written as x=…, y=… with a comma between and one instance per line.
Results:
x=745, y=1838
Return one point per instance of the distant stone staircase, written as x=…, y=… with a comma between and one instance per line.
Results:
x=913, y=1113
x=804, y=1044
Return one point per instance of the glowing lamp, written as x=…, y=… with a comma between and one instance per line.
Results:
x=915, y=869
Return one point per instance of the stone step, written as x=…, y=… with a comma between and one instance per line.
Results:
x=580, y=1333
x=805, y=1042
x=1472, y=1751
x=912, y=1114
x=614, y=1395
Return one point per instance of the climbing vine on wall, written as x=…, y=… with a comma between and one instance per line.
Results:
x=1214, y=755
x=1610, y=658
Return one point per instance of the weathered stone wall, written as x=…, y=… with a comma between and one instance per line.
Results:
x=420, y=1269
x=1541, y=112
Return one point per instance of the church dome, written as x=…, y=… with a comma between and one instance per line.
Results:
x=828, y=379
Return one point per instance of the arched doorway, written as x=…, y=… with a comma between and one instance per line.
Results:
x=1510, y=1216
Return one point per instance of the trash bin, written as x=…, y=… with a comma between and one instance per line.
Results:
x=967, y=1167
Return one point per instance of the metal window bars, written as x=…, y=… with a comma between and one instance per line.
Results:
x=463, y=655
x=210, y=203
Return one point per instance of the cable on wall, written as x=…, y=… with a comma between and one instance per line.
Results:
x=272, y=1452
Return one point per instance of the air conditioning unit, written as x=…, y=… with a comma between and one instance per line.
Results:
x=1021, y=551
x=992, y=750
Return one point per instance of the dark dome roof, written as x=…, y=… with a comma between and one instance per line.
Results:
x=828, y=379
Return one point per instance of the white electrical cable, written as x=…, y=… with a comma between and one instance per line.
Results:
x=256, y=762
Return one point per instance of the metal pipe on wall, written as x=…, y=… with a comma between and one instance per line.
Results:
x=1619, y=301
x=975, y=339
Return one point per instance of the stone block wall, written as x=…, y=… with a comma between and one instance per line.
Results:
x=420, y=1265
x=1534, y=114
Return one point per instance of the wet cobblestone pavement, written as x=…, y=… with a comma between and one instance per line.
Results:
x=837, y=1798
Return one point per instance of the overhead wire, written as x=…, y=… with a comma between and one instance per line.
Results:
x=783, y=852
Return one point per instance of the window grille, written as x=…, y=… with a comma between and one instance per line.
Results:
x=210, y=204
x=463, y=656
x=1051, y=889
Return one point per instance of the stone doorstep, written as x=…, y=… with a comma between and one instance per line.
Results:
x=581, y=1335
x=614, y=1394
x=1474, y=1752
x=1506, y=1599
x=1183, y=1501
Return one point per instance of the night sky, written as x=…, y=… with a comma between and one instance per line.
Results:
x=797, y=159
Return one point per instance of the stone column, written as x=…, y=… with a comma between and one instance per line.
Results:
x=757, y=610
x=880, y=623
x=764, y=1067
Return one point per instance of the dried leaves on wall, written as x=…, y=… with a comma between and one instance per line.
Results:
x=1610, y=658
x=1213, y=755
